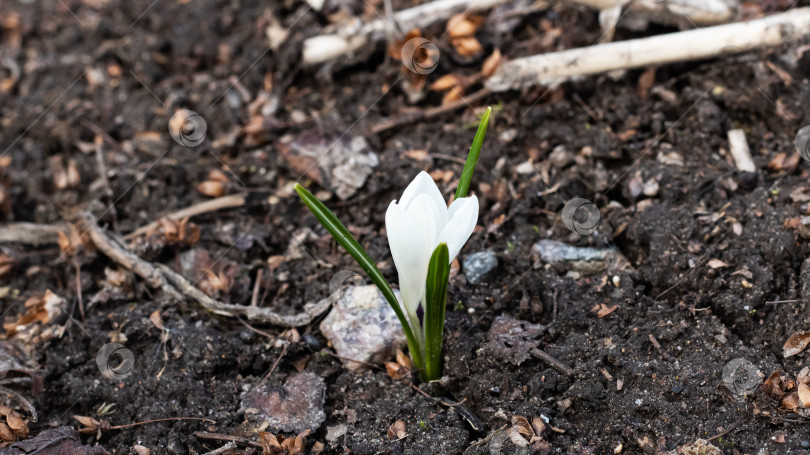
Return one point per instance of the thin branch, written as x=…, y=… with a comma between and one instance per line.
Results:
x=220, y=203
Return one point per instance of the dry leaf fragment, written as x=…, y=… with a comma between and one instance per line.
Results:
x=716, y=264
x=212, y=188
x=40, y=310
x=462, y=25
x=773, y=386
x=394, y=370
x=397, y=430
x=804, y=395
x=175, y=231
x=217, y=176
x=417, y=155
x=446, y=82
x=521, y=424
x=603, y=310
x=279, y=445
x=539, y=426
x=492, y=63
x=467, y=46
x=452, y=95
x=6, y=435
x=75, y=241
x=157, y=320
x=403, y=360
x=803, y=376
x=796, y=343
x=790, y=401
x=6, y=264
x=64, y=177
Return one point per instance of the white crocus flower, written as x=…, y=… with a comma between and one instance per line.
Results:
x=416, y=225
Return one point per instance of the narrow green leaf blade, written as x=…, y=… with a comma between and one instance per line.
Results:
x=347, y=241
x=472, y=157
x=436, y=303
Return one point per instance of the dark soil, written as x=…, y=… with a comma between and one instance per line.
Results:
x=647, y=377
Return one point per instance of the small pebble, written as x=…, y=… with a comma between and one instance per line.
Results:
x=677, y=388
x=806, y=444
x=311, y=341
x=477, y=265
x=494, y=391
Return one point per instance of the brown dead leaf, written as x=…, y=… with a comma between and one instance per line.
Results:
x=157, y=320
x=603, y=309
x=174, y=231
x=783, y=161
x=64, y=176
x=6, y=264
x=75, y=241
x=645, y=83
x=446, y=82
x=716, y=264
x=467, y=46
x=790, y=401
x=796, y=343
x=217, y=176
x=522, y=426
x=452, y=95
x=211, y=188
x=397, y=430
x=39, y=310
x=773, y=386
x=539, y=426
x=279, y=445
x=403, y=360
x=463, y=24
x=91, y=425
x=492, y=63
x=58, y=441
x=417, y=155
x=395, y=371
x=803, y=376
x=6, y=435
x=804, y=395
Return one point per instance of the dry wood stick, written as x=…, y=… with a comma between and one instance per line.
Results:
x=164, y=278
x=31, y=233
x=220, y=203
x=555, y=67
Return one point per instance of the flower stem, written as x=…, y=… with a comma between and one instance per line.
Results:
x=342, y=235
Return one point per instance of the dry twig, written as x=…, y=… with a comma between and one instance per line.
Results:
x=172, y=283
x=555, y=67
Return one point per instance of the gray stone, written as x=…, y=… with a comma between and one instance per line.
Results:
x=477, y=265
x=585, y=260
x=362, y=326
x=292, y=408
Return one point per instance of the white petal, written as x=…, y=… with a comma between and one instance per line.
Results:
x=411, y=237
x=463, y=214
x=423, y=184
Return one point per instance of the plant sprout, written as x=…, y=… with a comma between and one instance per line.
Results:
x=424, y=236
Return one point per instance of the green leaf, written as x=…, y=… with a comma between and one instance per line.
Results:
x=472, y=157
x=347, y=241
x=436, y=303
